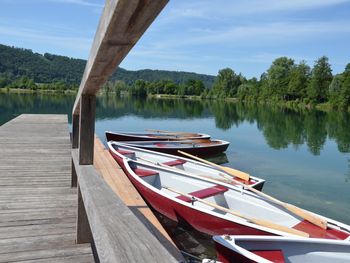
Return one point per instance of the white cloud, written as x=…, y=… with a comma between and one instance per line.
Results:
x=44, y=37
x=218, y=9
x=78, y=2
x=256, y=34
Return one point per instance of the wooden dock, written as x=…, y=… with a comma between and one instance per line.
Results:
x=38, y=207
x=54, y=203
x=121, y=185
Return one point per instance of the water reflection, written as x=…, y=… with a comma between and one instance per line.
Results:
x=281, y=127
x=14, y=104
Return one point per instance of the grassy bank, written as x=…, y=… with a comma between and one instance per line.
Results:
x=30, y=91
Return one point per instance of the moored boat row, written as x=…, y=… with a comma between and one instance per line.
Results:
x=222, y=201
x=189, y=166
x=154, y=136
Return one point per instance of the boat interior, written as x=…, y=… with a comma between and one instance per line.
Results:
x=296, y=250
x=230, y=197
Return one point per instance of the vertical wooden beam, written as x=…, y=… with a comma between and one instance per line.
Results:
x=74, y=178
x=86, y=157
x=75, y=144
x=84, y=234
x=75, y=131
x=87, y=129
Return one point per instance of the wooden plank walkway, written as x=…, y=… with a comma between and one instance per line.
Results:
x=38, y=208
x=121, y=185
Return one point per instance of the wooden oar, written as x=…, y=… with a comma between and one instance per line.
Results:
x=292, y=208
x=236, y=173
x=170, y=132
x=200, y=176
x=260, y=222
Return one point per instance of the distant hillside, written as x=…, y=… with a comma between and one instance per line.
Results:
x=154, y=75
x=48, y=68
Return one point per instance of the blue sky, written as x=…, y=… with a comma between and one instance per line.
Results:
x=201, y=36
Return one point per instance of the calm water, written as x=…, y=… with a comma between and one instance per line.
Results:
x=304, y=156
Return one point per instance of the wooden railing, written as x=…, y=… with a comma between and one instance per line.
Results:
x=102, y=217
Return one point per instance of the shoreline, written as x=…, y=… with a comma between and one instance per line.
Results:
x=293, y=105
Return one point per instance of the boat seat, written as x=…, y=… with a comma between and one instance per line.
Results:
x=175, y=162
x=143, y=173
x=123, y=152
x=317, y=232
x=205, y=193
x=275, y=256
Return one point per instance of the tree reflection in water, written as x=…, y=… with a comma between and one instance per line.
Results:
x=280, y=126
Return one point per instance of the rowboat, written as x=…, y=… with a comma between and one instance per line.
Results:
x=195, y=147
x=151, y=136
x=119, y=151
x=269, y=249
x=218, y=208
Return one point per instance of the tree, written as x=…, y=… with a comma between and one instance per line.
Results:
x=278, y=76
x=335, y=90
x=299, y=78
x=320, y=80
x=139, y=88
x=227, y=83
x=345, y=89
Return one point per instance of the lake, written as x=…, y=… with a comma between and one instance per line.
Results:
x=304, y=156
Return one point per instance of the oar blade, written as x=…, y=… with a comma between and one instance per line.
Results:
x=236, y=173
x=279, y=227
x=316, y=220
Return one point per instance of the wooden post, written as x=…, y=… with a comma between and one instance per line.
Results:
x=86, y=157
x=87, y=129
x=74, y=179
x=75, y=131
x=84, y=234
x=75, y=144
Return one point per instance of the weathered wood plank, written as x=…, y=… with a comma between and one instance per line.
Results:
x=10, y=245
x=121, y=25
x=82, y=258
x=37, y=205
x=121, y=185
x=112, y=223
x=46, y=254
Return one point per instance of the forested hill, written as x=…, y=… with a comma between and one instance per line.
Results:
x=49, y=68
x=177, y=77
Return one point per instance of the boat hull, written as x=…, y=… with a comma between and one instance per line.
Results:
x=199, y=220
x=197, y=149
x=121, y=137
x=256, y=183
x=247, y=249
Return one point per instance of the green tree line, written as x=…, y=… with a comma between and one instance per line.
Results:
x=22, y=68
x=284, y=81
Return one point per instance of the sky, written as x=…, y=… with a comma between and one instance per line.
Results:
x=200, y=36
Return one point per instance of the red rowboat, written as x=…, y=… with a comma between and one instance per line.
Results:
x=269, y=249
x=194, y=147
x=149, y=136
x=119, y=151
x=218, y=208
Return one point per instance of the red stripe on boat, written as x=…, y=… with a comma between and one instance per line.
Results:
x=275, y=256
x=204, y=193
x=175, y=162
x=317, y=232
x=160, y=145
x=143, y=172
x=123, y=152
